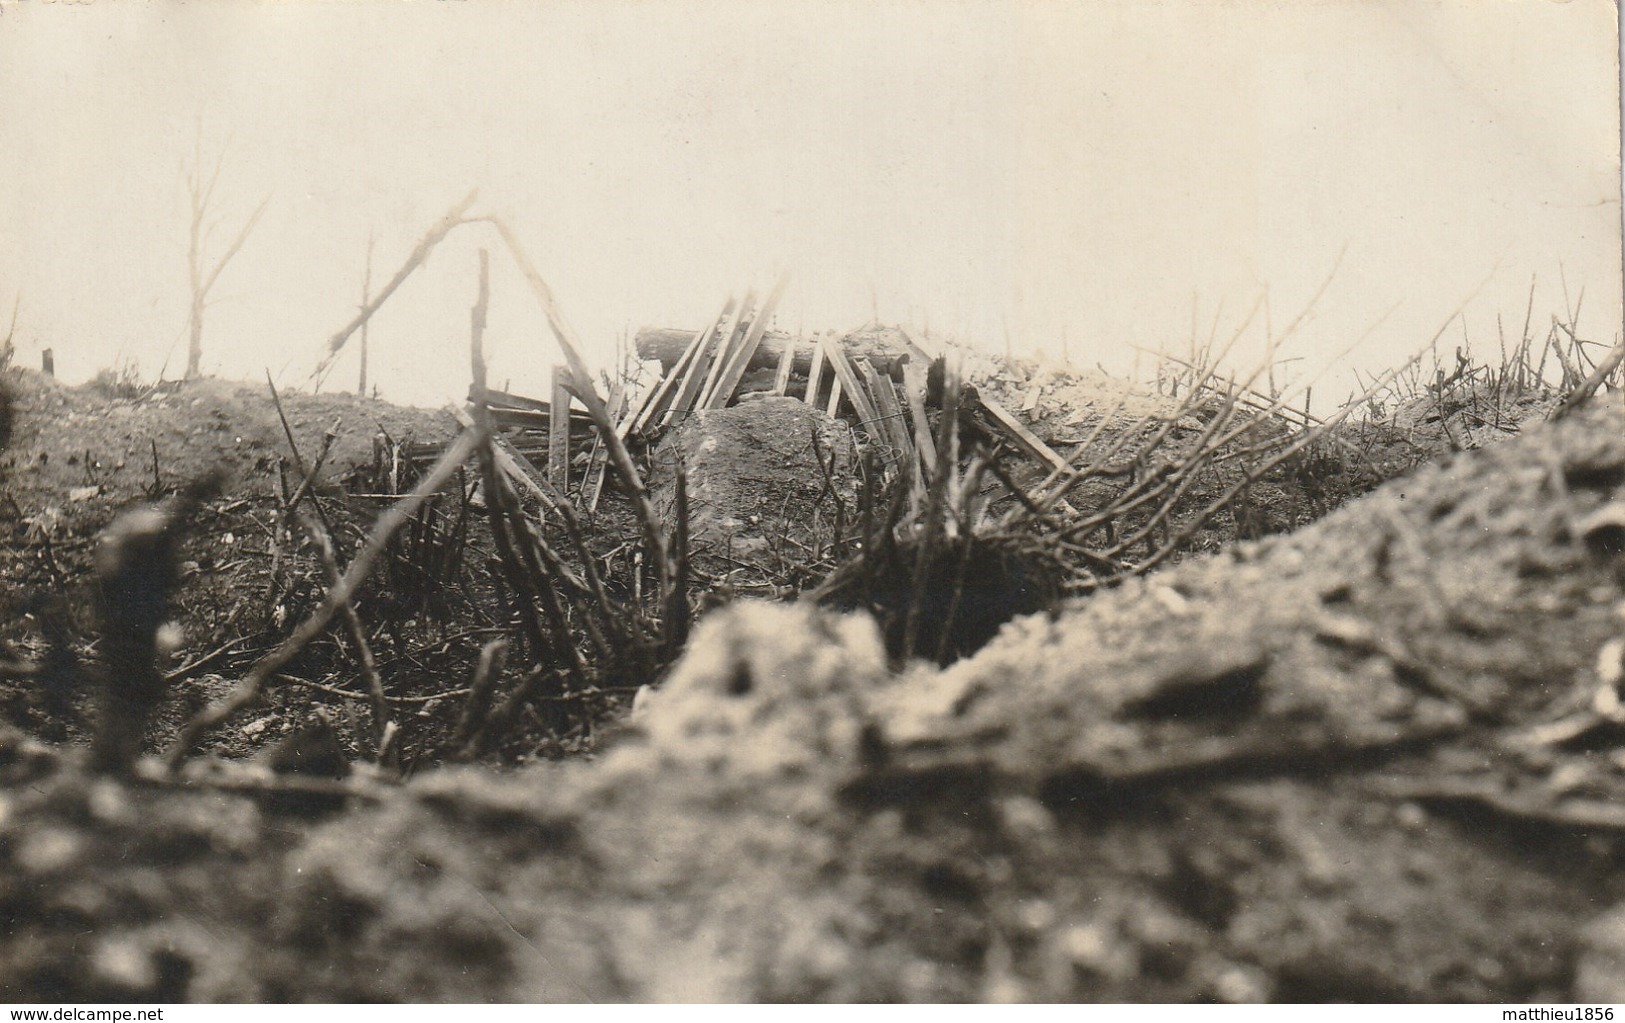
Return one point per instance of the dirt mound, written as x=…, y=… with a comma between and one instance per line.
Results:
x=1372, y=760
x=80, y=455
x=770, y=481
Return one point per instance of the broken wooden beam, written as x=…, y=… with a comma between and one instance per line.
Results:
x=1023, y=439
x=835, y=396
x=688, y=390
x=914, y=385
x=530, y=419
x=725, y=351
x=868, y=418
x=657, y=401
x=503, y=401
x=781, y=378
x=893, y=430
x=1011, y=428
x=592, y=486
x=516, y=466
x=815, y=373
x=728, y=382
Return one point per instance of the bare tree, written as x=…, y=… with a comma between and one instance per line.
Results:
x=7, y=349
x=202, y=192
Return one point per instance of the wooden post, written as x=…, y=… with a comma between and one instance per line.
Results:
x=558, y=432
x=698, y=371
x=728, y=382
x=914, y=392
x=868, y=418
x=781, y=379
x=656, y=401
x=749, y=313
x=592, y=486
x=47, y=361
x=834, y=397
x=814, y=374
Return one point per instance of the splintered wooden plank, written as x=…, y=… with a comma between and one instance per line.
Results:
x=517, y=410
x=516, y=466
x=529, y=419
x=914, y=393
x=848, y=379
x=835, y=397
x=658, y=399
x=739, y=361
x=694, y=377
x=598, y=462
x=558, y=432
x=815, y=374
x=725, y=350
x=787, y=359
x=893, y=428
x=1024, y=439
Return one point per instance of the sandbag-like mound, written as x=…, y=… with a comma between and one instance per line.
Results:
x=1377, y=759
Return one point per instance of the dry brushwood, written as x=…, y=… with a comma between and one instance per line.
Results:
x=360, y=567
x=137, y=567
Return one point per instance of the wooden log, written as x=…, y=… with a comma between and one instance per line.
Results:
x=734, y=371
x=667, y=345
x=815, y=373
x=558, y=435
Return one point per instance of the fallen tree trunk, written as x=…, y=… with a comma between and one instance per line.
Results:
x=667, y=346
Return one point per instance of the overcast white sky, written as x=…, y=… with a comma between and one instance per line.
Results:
x=1086, y=166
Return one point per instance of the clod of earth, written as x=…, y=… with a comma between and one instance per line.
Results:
x=1362, y=761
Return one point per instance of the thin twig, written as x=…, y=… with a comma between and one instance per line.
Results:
x=358, y=635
